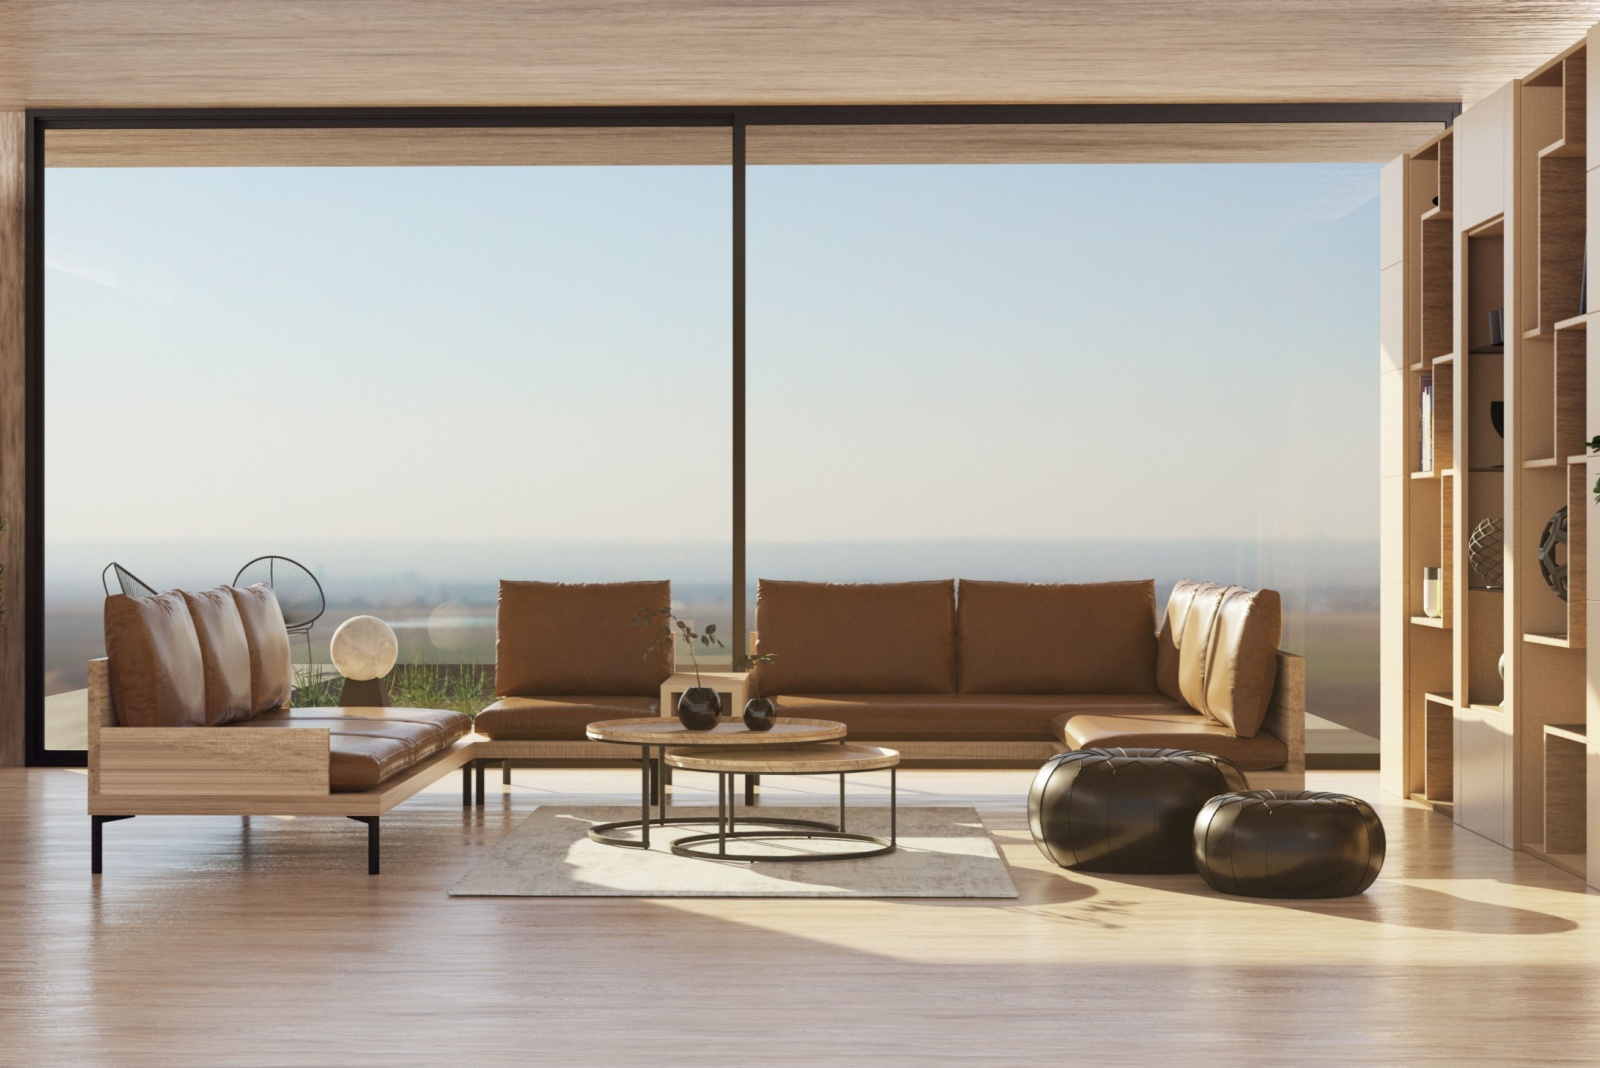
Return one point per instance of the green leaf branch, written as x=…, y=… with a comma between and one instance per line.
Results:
x=672, y=628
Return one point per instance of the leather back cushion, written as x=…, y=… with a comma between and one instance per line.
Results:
x=1218, y=652
x=889, y=637
x=271, y=680
x=224, y=655
x=579, y=638
x=1077, y=638
x=157, y=676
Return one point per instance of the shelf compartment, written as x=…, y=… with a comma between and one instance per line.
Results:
x=1439, y=733
x=1565, y=789
x=1562, y=194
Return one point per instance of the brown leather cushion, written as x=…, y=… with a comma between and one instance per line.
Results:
x=368, y=748
x=890, y=637
x=157, y=675
x=960, y=717
x=1070, y=638
x=1220, y=644
x=1169, y=730
x=271, y=681
x=579, y=638
x=224, y=655
x=556, y=719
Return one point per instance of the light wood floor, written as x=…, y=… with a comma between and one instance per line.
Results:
x=209, y=943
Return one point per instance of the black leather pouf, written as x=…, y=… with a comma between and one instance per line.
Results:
x=1278, y=843
x=1125, y=810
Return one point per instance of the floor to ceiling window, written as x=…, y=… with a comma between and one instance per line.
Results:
x=420, y=380
x=414, y=380
x=1072, y=373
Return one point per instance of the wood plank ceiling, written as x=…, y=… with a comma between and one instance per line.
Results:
x=98, y=53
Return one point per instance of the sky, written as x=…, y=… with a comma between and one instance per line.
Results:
x=435, y=356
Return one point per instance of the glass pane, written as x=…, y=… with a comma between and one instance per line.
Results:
x=415, y=380
x=1076, y=373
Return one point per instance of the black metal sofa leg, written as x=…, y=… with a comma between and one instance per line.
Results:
x=372, y=841
x=505, y=773
x=95, y=823
x=478, y=775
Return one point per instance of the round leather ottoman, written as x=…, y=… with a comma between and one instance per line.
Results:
x=1279, y=843
x=1125, y=810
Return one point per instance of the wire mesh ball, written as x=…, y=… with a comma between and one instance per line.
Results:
x=1553, y=553
x=1486, y=552
x=297, y=589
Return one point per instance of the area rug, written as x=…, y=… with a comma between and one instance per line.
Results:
x=943, y=852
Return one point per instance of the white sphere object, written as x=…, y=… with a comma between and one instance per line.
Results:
x=364, y=648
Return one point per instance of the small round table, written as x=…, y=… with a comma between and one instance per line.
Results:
x=841, y=760
x=662, y=732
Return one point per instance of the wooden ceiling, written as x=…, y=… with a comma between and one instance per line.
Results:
x=149, y=53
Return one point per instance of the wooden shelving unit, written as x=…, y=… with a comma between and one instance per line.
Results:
x=1487, y=711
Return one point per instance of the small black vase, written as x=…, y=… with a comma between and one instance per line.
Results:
x=760, y=714
x=698, y=708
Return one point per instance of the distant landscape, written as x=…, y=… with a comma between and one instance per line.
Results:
x=440, y=596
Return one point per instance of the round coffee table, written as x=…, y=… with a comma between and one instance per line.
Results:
x=663, y=732
x=841, y=760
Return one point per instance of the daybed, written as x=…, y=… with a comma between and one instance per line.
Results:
x=189, y=715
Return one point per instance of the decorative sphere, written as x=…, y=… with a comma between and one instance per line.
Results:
x=1553, y=553
x=364, y=648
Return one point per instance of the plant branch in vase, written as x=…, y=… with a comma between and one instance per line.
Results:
x=700, y=705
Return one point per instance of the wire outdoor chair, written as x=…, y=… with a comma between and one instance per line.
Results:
x=297, y=589
x=127, y=582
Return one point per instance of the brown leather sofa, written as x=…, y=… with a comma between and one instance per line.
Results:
x=1011, y=673
x=189, y=714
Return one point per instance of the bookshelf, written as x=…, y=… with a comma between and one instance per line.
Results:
x=1486, y=705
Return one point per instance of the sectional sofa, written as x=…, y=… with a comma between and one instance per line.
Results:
x=190, y=715
x=1006, y=673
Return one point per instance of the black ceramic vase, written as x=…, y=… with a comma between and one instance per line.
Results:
x=698, y=708
x=760, y=714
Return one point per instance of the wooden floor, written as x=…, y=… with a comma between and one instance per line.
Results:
x=209, y=942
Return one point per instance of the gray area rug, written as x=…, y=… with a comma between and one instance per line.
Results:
x=943, y=852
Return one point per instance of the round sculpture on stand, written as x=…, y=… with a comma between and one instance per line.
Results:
x=364, y=650
x=1486, y=553
x=1125, y=810
x=1553, y=553
x=1288, y=843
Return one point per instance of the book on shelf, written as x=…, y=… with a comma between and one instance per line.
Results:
x=1425, y=426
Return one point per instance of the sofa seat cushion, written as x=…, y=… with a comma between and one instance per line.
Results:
x=561, y=637
x=938, y=717
x=1150, y=729
x=1219, y=648
x=871, y=637
x=556, y=719
x=368, y=748
x=1063, y=638
x=157, y=672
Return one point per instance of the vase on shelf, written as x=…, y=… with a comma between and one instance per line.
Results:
x=699, y=708
x=1432, y=592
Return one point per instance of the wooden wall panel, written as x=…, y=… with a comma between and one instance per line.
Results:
x=12, y=440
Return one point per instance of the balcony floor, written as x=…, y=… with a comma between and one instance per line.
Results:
x=204, y=944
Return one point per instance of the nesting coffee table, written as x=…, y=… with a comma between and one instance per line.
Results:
x=820, y=759
x=661, y=733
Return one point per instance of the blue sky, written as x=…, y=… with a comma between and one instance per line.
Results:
x=541, y=354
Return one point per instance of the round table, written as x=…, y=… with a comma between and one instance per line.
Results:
x=663, y=732
x=727, y=762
